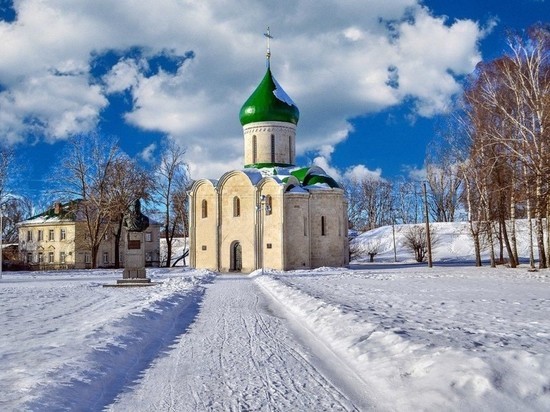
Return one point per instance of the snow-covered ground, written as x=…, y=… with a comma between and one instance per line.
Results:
x=384, y=336
x=451, y=242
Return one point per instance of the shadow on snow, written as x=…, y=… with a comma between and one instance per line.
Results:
x=117, y=368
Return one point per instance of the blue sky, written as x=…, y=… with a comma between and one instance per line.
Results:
x=372, y=78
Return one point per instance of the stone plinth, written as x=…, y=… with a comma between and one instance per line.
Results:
x=132, y=282
x=134, y=257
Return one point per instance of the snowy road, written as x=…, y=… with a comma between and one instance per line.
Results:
x=238, y=355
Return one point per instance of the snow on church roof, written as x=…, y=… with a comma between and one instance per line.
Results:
x=308, y=178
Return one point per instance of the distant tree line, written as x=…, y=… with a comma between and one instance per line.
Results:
x=95, y=171
x=491, y=162
x=506, y=122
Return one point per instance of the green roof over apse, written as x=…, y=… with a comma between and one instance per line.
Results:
x=269, y=102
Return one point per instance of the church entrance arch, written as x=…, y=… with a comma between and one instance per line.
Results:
x=236, y=257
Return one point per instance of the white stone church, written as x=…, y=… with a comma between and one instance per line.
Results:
x=271, y=214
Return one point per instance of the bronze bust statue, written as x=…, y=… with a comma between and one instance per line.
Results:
x=134, y=220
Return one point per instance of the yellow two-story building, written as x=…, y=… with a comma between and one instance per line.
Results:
x=58, y=239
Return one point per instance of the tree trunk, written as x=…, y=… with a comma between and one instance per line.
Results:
x=118, y=235
x=540, y=226
x=491, y=243
x=500, y=240
x=477, y=245
x=474, y=226
x=168, y=238
x=95, y=250
x=548, y=231
x=487, y=221
x=513, y=242
x=530, y=220
x=531, y=246
x=511, y=258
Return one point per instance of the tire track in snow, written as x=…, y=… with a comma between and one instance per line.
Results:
x=238, y=355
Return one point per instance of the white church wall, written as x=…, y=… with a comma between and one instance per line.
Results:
x=297, y=230
x=272, y=216
x=328, y=235
x=204, y=208
x=237, y=225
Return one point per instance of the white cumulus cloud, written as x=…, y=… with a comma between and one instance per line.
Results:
x=334, y=71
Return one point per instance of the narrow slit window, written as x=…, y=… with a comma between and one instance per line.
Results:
x=254, y=149
x=268, y=205
x=236, y=206
x=323, y=226
x=272, y=148
x=204, y=209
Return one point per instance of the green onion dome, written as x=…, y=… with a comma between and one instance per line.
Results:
x=269, y=102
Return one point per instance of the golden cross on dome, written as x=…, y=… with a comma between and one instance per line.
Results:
x=268, y=36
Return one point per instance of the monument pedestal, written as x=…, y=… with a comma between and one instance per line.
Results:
x=134, y=273
x=134, y=256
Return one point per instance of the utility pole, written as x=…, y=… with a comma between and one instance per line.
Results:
x=428, y=238
x=2, y=208
x=393, y=230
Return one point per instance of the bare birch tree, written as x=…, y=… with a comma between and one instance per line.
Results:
x=86, y=171
x=15, y=210
x=510, y=110
x=6, y=163
x=169, y=189
x=445, y=184
x=416, y=240
x=127, y=182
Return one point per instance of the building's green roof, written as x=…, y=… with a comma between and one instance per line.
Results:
x=269, y=102
x=305, y=176
x=312, y=175
x=64, y=211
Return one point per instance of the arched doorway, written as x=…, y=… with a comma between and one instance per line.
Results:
x=236, y=257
